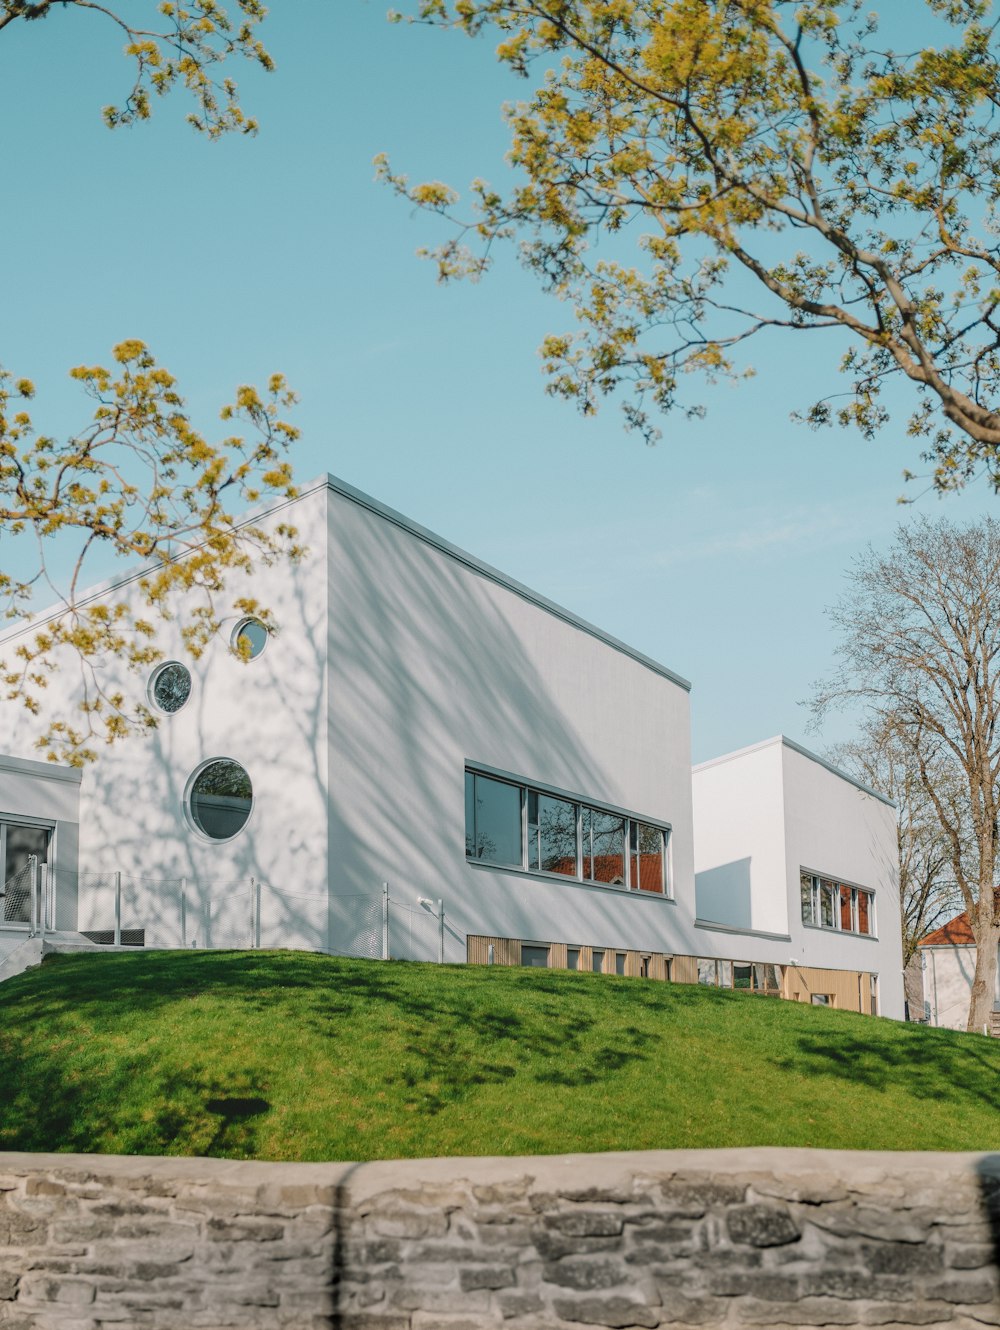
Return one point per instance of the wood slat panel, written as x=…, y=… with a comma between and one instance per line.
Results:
x=801, y=981
x=685, y=970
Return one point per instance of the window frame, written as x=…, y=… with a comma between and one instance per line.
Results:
x=580, y=804
x=839, y=885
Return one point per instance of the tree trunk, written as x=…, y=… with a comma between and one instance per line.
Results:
x=985, y=982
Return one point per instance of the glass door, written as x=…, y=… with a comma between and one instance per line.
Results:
x=18, y=841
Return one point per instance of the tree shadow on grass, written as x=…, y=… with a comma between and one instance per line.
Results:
x=70, y=1076
x=923, y=1063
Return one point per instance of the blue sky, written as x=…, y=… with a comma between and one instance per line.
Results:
x=715, y=551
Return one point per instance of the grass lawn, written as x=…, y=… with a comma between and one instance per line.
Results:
x=283, y=1055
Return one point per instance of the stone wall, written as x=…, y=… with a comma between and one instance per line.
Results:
x=671, y=1238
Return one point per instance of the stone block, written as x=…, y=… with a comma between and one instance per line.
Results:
x=452, y=1300
x=858, y=1221
x=551, y=1245
x=801, y=1313
x=898, y=1258
x=615, y=1312
x=761, y=1225
x=909, y=1313
x=586, y=1223
x=586, y=1274
x=245, y=1229
x=519, y=1303
x=969, y=1257
x=486, y=1276
x=8, y=1285
x=767, y=1284
x=973, y=1290
x=409, y=1224
x=434, y=1321
x=40, y=1288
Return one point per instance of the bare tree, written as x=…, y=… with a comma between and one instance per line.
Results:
x=920, y=640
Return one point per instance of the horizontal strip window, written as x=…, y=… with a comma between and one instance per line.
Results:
x=749, y=976
x=517, y=826
x=837, y=905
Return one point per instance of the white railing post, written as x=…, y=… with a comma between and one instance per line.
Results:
x=33, y=873
x=385, y=921
x=440, y=932
x=256, y=919
x=184, y=912
x=118, y=907
x=253, y=914
x=48, y=922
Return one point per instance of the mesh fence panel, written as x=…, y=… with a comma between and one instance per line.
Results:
x=228, y=919
x=356, y=926
x=17, y=897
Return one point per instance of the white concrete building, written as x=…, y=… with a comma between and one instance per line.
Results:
x=422, y=720
x=948, y=968
x=802, y=858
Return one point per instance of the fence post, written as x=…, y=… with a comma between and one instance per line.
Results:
x=33, y=873
x=385, y=921
x=46, y=908
x=184, y=912
x=440, y=932
x=118, y=907
x=256, y=917
x=253, y=913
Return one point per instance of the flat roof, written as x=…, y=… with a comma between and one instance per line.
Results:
x=802, y=751
x=423, y=534
x=26, y=766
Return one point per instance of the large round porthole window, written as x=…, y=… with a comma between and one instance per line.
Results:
x=249, y=638
x=170, y=686
x=219, y=799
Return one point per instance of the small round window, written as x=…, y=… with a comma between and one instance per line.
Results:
x=249, y=638
x=170, y=686
x=220, y=799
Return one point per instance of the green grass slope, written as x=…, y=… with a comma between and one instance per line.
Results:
x=279, y=1055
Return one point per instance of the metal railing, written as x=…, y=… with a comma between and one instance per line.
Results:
x=24, y=900
x=123, y=909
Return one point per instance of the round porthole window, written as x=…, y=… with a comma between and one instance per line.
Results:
x=220, y=799
x=249, y=638
x=170, y=686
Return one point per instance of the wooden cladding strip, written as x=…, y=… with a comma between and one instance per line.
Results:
x=848, y=990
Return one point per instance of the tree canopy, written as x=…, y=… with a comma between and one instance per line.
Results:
x=174, y=42
x=692, y=174
x=140, y=481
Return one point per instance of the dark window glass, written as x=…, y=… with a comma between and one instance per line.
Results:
x=873, y=980
x=551, y=834
x=808, y=904
x=597, y=961
x=470, y=814
x=497, y=822
x=822, y=999
x=644, y=963
x=864, y=912
x=536, y=956
x=741, y=975
x=846, y=914
x=646, y=857
x=221, y=798
x=607, y=848
x=827, y=896
x=573, y=958
x=619, y=962
x=250, y=638
x=171, y=686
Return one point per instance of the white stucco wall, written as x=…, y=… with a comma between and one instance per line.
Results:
x=948, y=972
x=268, y=715
x=834, y=828
x=763, y=814
x=433, y=665
x=739, y=842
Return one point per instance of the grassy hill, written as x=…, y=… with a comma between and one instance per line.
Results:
x=279, y=1055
